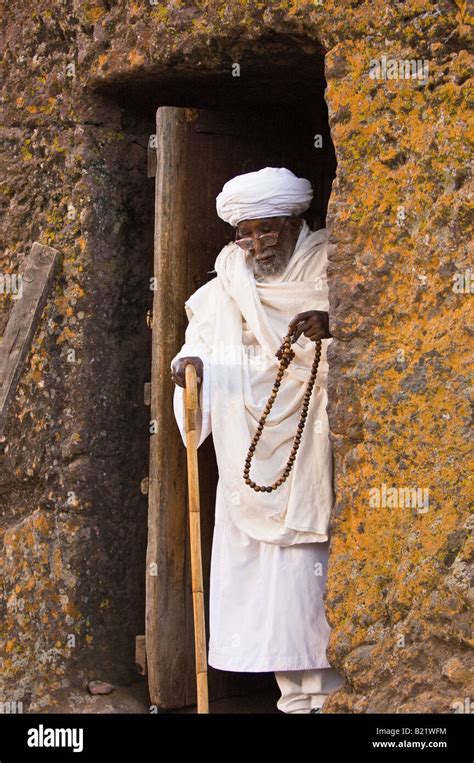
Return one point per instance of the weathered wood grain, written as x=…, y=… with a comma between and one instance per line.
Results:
x=37, y=276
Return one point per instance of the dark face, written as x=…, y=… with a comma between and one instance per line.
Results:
x=270, y=259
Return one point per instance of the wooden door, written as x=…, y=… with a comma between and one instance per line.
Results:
x=197, y=152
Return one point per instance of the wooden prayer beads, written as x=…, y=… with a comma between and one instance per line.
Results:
x=285, y=355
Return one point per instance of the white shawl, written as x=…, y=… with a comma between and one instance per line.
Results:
x=236, y=324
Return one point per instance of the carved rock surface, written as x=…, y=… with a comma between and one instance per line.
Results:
x=82, y=83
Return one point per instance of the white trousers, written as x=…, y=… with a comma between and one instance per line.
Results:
x=301, y=690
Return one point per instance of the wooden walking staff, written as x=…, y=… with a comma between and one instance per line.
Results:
x=191, y=404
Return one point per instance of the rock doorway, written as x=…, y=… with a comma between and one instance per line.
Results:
x=198, y=149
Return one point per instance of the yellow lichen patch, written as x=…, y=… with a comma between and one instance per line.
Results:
x=160, y=13
x=135, y=58
x=26, y=153
x=135, y=9
x=56, y=146
x=65, y=335
x=57, y=563
x=93, y=13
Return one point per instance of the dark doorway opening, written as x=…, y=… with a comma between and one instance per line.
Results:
x=272, y=114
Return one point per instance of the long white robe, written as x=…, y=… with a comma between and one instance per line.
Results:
x=267, y=578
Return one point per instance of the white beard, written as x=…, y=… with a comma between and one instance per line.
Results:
x=272, y=268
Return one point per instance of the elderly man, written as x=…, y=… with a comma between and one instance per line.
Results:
x=270, y=547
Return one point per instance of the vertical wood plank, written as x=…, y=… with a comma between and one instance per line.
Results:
x=165, y=594
x=37, y=276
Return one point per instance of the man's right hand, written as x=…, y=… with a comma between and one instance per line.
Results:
x=178, y=372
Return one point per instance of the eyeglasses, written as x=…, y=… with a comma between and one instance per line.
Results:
x=266, y=239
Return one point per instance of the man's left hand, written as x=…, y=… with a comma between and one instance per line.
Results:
x=313, y=323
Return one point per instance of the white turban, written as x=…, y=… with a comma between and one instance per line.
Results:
x=270, y=192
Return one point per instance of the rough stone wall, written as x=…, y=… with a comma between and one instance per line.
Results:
x=75, y=450
x=73, y=517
